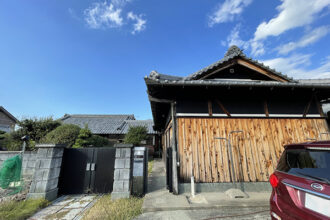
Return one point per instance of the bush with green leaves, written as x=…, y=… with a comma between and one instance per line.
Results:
x=64, y=134
x=135, y=135
x=98, y=141
x=84, y=138
x=35, y=128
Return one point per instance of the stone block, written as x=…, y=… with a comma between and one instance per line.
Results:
x=38, y=174
x=126, y=152
x=119, y=163
x=40, y=186
x=126, y=186
x=54, y=173
x=118, y=186
x=24, y=163
x=38, y=162
x=128, y=163
x=31, y=164
x=120, y=195
x=42, y=153
x=50, y=196
x=52, y=184
x=116, y=174
x=124, y=174
x=45, y=163
x=118, y=153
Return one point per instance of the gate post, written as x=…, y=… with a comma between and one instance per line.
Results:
x=47, y=171
x=123, y=172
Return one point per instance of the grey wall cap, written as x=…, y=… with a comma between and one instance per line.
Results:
x=50, y=145
x=123, y=145
x=11, y=152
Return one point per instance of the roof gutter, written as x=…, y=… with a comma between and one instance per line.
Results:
x=237, y=84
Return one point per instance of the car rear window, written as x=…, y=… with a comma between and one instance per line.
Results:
x=306, y=162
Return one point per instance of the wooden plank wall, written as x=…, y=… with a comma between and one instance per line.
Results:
x=255, y=151
x=167, y=139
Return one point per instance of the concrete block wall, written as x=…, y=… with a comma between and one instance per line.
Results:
x=47, y=171
x=123, y=172
x=28, y=164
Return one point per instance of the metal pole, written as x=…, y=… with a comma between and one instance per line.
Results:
x=192, y=179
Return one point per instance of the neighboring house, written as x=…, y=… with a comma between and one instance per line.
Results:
x=7, y=120
x=257, y=108
x=113, y=127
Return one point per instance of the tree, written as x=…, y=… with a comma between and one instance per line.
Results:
x=35, y=128
x=64, y=134
x=84, y=138
x=135, y=135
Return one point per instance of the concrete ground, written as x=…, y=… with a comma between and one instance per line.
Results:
x=69, y=207
x=160, y=204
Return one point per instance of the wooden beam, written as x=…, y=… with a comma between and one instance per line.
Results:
x=218, y=70
x=260, y=70
x=266, y=108
x=319, y=107
x=223, y=108
x=153, y=99
x=210, y=107
x=308, y=106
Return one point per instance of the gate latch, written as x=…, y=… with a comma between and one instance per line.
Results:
x=88, y=167
x=92, y=166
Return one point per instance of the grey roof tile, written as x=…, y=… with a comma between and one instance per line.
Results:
x=107, y=124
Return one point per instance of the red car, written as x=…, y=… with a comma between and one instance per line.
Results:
x=301, y=182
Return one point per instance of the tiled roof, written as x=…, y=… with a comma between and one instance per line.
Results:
x=233, y=52
x=132, y=123
x=107, y=124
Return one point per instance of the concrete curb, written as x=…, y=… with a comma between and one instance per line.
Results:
x=200, y=207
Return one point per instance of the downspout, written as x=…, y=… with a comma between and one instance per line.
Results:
x=175, y=181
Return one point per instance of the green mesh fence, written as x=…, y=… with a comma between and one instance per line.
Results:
x=10, y=174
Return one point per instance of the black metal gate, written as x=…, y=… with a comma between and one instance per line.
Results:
x=87, y=170
x=169, y=169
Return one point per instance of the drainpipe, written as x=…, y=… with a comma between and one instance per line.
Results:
x=175, y=182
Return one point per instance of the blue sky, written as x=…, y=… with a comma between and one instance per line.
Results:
x=90, y=56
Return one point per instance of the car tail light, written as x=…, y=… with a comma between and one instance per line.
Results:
x=273, y=180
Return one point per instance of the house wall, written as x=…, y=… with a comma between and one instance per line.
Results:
x=6, y=124
x=255, y=151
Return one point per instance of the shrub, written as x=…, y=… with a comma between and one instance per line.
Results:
x=98, y=141
x=64, y=134
x=8, y=142
x=135, y=135
x=83, y=139
x=36, y=129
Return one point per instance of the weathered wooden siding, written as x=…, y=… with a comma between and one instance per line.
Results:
x=255, y=151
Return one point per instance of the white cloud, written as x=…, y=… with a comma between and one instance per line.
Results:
x=292, y=14
x=311, y=37
x=234, y=39
x=103, y=15
x=297, y=66
x=227, y=11
x=140, y=23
